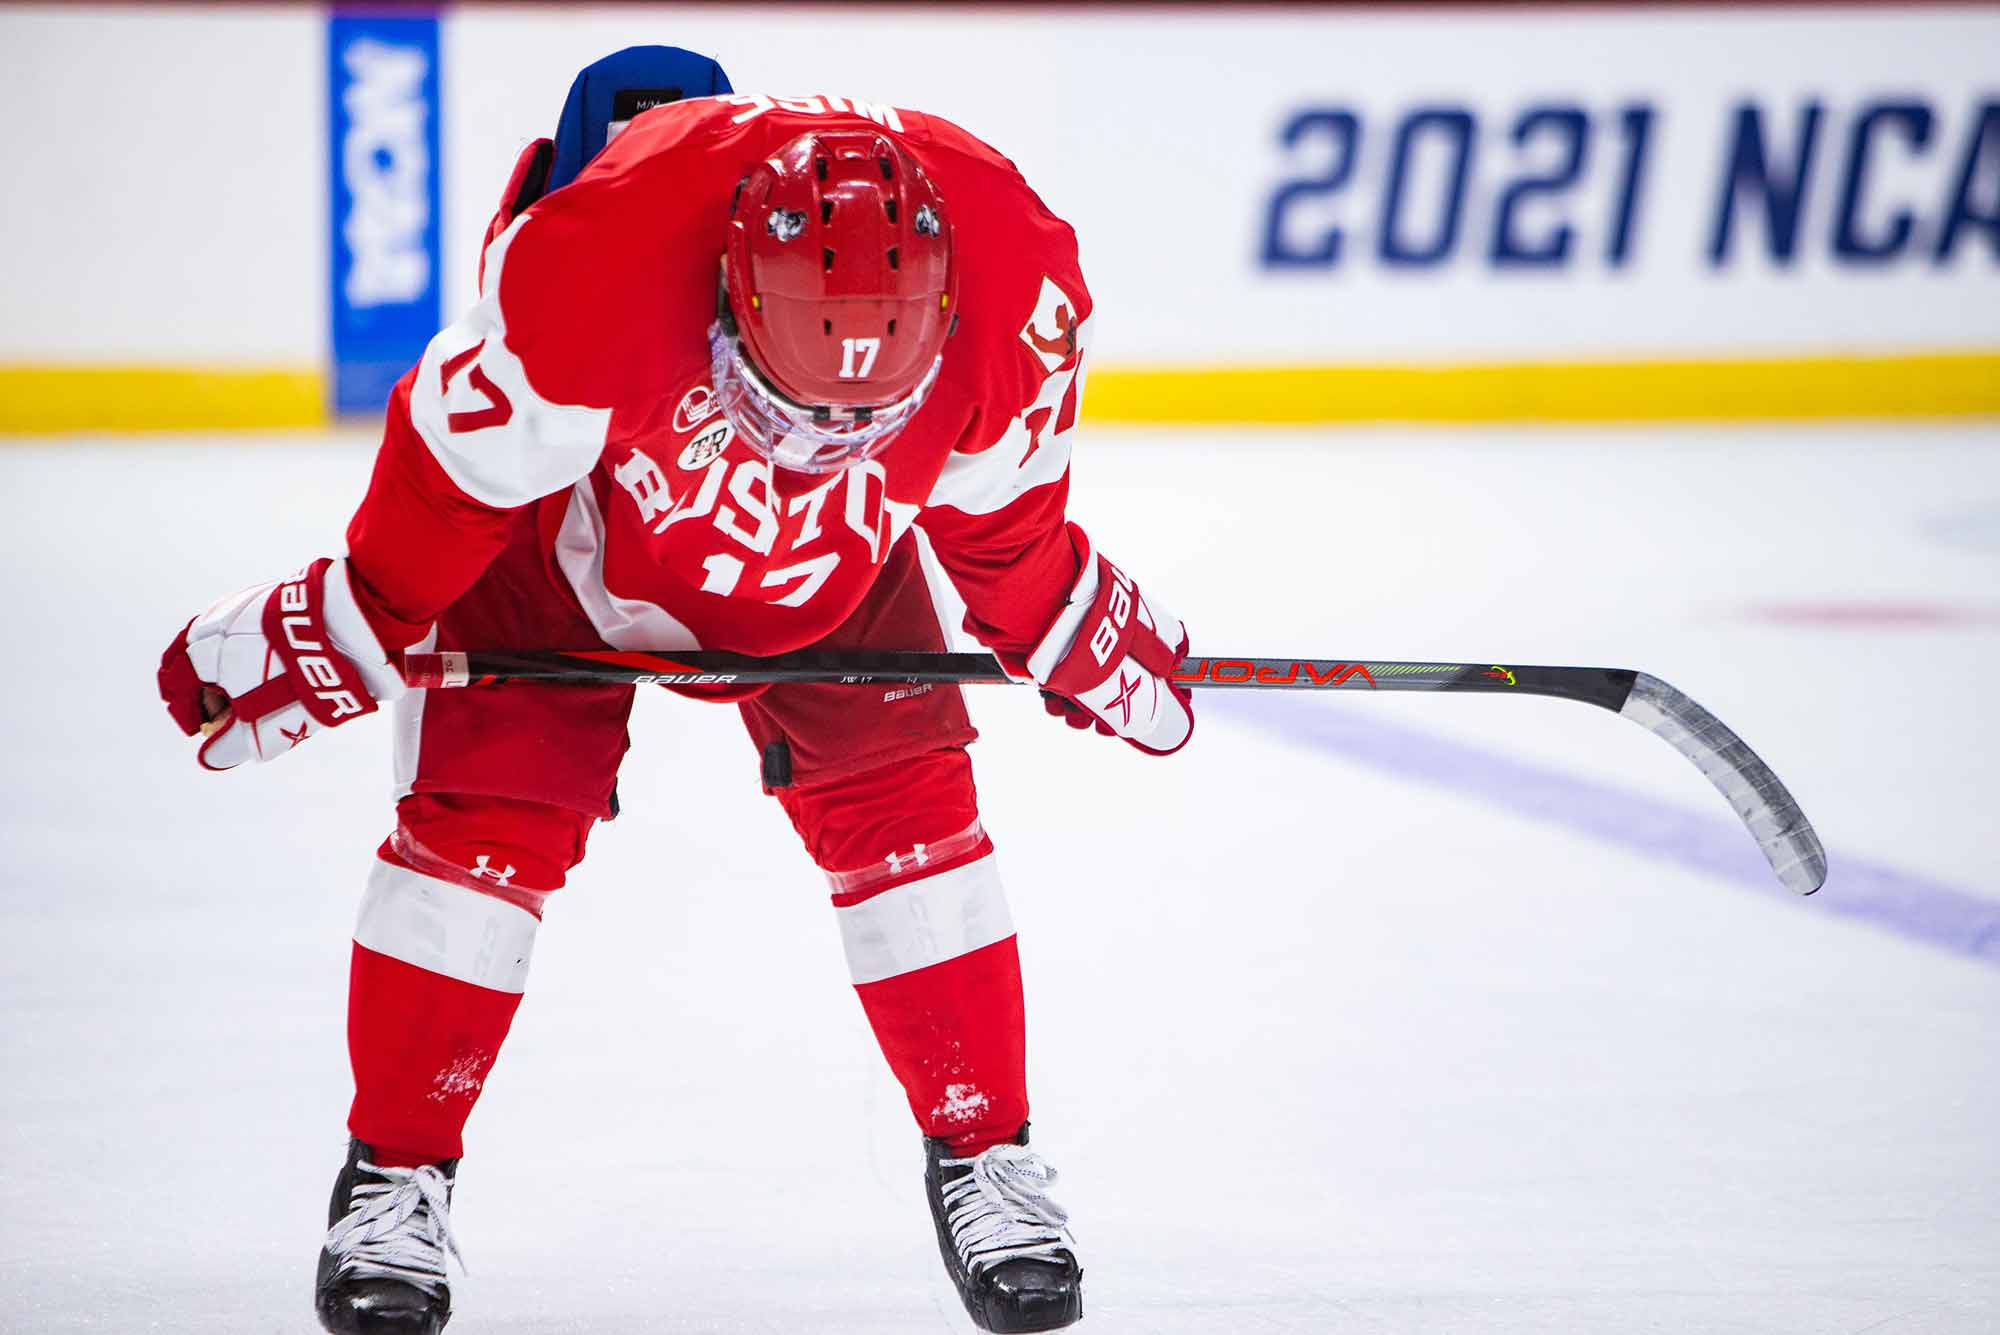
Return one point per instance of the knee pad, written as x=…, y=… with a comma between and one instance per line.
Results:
x=885, y=826
x=514, y=850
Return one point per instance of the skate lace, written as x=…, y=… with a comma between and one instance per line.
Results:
x=399, y=1227
x=1002, y=1210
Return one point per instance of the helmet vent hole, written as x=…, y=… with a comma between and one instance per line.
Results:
x=894, y=258
x=892, y=329
x=888, y=172
x=819, y=166
x=826, y=327
x=826, y=211
x=889, y=207
x=826, y=258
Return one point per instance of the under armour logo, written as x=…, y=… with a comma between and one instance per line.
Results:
x=916, y=857
x=1126, y=690
x=485, y=868
x=293, y=737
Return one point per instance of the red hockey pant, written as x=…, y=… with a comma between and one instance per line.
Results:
x=502, y=786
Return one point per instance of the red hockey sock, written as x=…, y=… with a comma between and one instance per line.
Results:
x=421, y=1044
x=954, y=1036
x=440, y=960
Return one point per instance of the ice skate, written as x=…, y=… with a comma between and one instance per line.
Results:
x=1005, y=1243
x=381, y=1269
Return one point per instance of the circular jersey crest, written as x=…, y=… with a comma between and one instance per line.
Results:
x=708, y=446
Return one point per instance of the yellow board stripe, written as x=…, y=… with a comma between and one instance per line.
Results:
x=54, y=399
x=50, y=399
x=1957, y=384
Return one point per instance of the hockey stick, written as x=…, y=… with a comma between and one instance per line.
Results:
x=1774, y=819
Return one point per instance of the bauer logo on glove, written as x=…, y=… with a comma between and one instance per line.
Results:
x=1120, y=678
x=257, y=671
x=320, y=669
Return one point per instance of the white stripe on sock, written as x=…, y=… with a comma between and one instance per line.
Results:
x=446, y=929
x=920, y=923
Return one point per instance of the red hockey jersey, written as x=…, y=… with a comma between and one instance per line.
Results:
x=580, y=383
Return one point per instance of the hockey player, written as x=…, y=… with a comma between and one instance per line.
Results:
x=711, y=392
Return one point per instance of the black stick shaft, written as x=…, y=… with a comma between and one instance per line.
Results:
x=1604, y=687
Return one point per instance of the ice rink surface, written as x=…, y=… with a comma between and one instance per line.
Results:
x=1384, y=1014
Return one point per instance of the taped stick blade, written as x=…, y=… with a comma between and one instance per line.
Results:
x=1766, y=807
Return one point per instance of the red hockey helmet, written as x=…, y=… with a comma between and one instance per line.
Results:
x=838, y=288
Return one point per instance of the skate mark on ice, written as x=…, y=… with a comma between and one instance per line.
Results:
x=1903, y=903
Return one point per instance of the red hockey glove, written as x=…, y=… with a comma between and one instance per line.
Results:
x=272, y=663
x=1108, y=660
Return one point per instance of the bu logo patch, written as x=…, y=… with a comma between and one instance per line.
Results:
x=696, y=406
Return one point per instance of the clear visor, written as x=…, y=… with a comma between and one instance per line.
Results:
x=792, y=435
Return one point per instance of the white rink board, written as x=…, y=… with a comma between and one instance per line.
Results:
x=168, y=167
x=166, y=185
x=1157, y=134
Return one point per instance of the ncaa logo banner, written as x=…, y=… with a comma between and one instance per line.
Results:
x=384, y=160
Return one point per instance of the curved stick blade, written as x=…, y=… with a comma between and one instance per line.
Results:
x=1773, y=817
